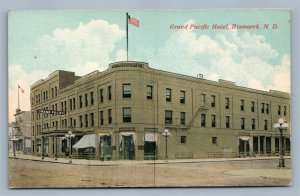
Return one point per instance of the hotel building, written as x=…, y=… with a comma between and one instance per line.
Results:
x=121, y=113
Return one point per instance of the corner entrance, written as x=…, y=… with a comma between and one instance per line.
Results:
x=105, y=147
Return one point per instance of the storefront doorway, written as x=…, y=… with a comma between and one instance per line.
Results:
x=105, y=147
x=127, y=147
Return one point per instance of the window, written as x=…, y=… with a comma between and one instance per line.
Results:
x=226, y=103
x=182, y=96
x=109, y=116
x=214, y=140
x=46, y=95
x=149, y=92
x=101, y=118
x=252, y=106
x=101, y=95
x=74, y=104
x=227, y=121
x=70, y=104
x=242, y=123
x=213, y=101
x=86, y=100
x=127, y=115
x=52, y=92
x=213, y=120
x=65, y=103
x=168, y=117
x=92, y=98
x=279, y=109
x=109, y=92
x=262, y=107
x=183, y=139
x=80, y=121
x=267, y=108
x=86, y=120
x=266, y=124
x=203, y=97
x=126, y=90
x=203, y=116
x=55, y=89
x=284, y=111
x=182, y=118
x=74, y=122
x=242, y=104
x=80, y=101
x=168, y=95
x=71, y=122
x=92, y=119
x=253, y=123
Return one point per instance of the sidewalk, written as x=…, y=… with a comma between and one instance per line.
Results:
x=132, y=162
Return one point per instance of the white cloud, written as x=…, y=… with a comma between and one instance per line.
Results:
x=244, y=58
x=93, y=41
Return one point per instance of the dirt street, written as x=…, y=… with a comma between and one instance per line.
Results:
x=37, y=174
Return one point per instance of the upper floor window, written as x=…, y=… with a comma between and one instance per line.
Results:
x=126, y=90
x=203, y=100
x=203, y=120
x=109, y=92
x=213, y=120
x=267, y=108
x=252, y=106
x=101, y=118
x=284, y=111
x=149, y=91
x=279, y=109
x=55, y=90
x=127, y=115
x=168, y=117
x=74, y=104
x=168, y=95
x=226, y=103
x=253, y=123
x=101, y=95
x=92, y=98
x=213, y=101
x=182, y=118
x=109, y=116
x=86, y=120
x=242, y=105
x=80, y=121
x=80, y=101
x=266, y=125
x=92, y=119
x=227, y=121
x=242, y=123
x=86, y=100
x=182, y=96
x=262, y=107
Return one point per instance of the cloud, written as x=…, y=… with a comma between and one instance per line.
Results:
x=90, y=42
x=246, y=58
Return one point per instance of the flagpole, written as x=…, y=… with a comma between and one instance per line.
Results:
x=18, y=97
x=127, y=33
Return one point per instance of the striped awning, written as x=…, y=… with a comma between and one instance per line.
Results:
x=86, y=141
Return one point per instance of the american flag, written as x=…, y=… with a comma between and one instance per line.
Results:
x=133, y=21
x=22, y=90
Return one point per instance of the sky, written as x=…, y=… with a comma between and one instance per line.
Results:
x=41, y=42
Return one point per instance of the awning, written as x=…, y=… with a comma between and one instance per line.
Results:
x=245, y=138
x=86, y=141
x=150, y=137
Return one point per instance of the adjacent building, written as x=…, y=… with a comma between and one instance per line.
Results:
x=20, y=133
x=121, y=113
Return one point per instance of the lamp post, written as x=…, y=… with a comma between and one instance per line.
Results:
x=166, y=134
x=69, y=136
x=43, y=145
x=282, y=126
